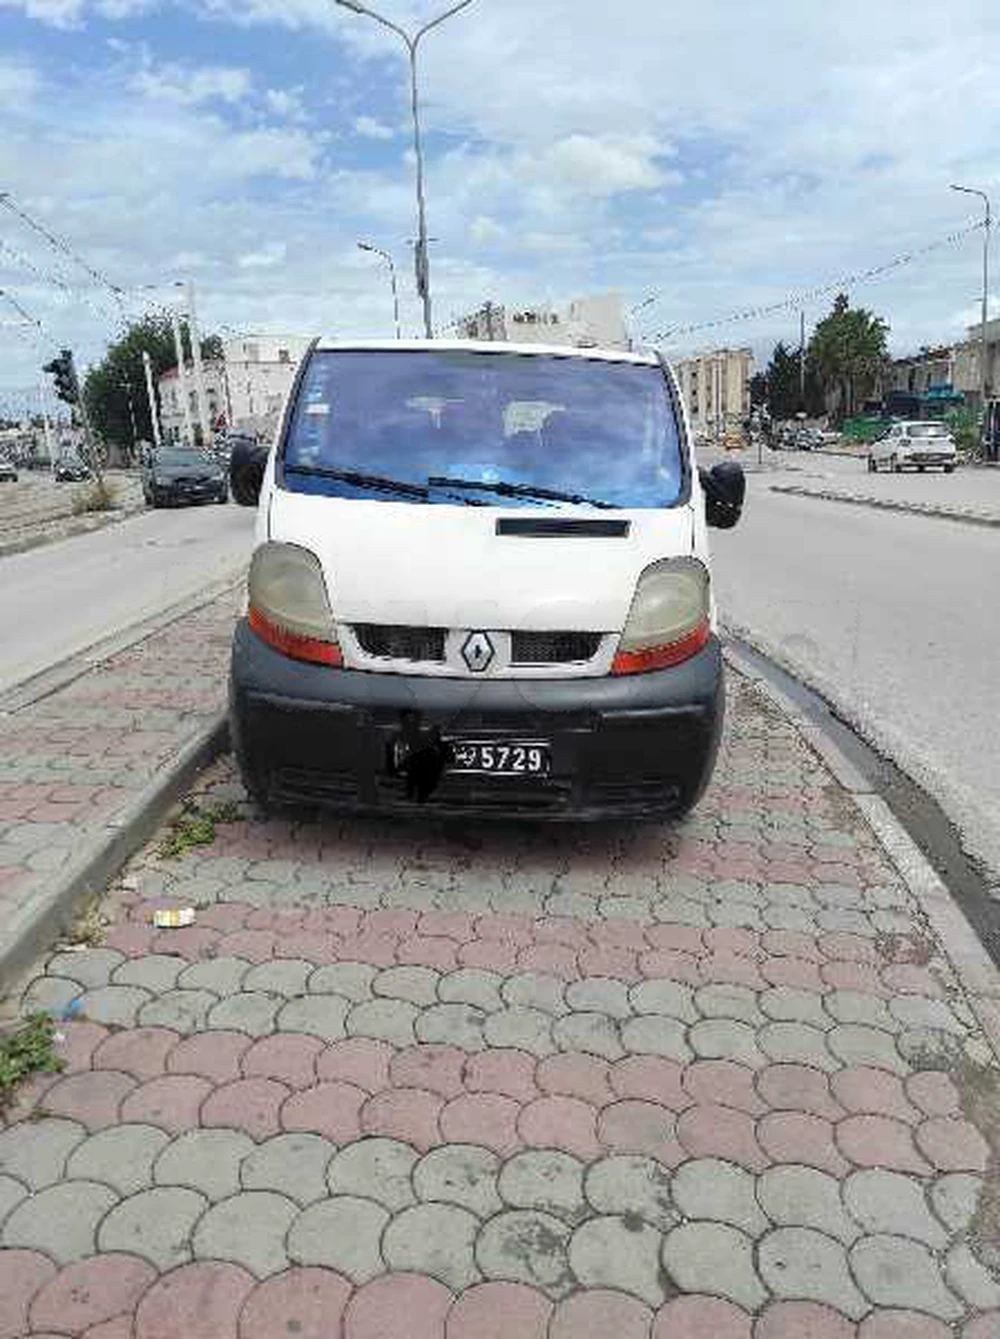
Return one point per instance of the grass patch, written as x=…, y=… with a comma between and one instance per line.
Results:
x=98, y=496
x=30, y=1049
x=195, y=826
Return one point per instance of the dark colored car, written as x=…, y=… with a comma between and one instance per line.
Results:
x=71, y=470
x=8, y=472
x=179, y=475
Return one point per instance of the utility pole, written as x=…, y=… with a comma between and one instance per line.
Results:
x=984, y=375
x=802, y=360
x=154, y=416
x=199, y=371
x=47, y=428
x=182, y=375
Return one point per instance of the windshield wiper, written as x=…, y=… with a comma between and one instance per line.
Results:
x=504, y=488
x=380, y=482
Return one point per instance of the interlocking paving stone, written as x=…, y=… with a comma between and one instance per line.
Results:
x=186, y=1011
x=895, y=1271
x=377, y=1169
x=628, y=1185
x=293, y=1165
x=796, y=1196
x=459, y=1174
x=618, y=1252
x=704, y=1257
x=204, y=1160
x=121, y=1157
x=199, y=1301
x=955, y=1198
x=36, y=1153
x=155, y=1225
x=711, y=1188
x=526, y=1246
x=342, y=1233
x=249, y=1229
x=549, y=1180
x=889, y=1202
x=434, y=1239
x=59, y=1221
x=801, y=1263
x=86, y=1294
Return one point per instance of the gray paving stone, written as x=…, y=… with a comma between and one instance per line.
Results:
x=434, y=1239
x=204, y=1160
x=713, y=1258
x=155, y=972
x=60, y=1221
x=671, y=998
x=726, y=1039
x=248, y=1230
x=472, y=985
x=592, y=1033
x=803, y=1264
x=293, y=1165
x=955, y=1198
x=889, y=1202
x=917, y=1011
x=600, y=994
x=92, y=967
x=971, y=1280
x=675, y=910
x=785, y=1004
x=789, y=918
x=526, y=1246
x=462, y=1174
x=798, y=1196
x=629, y=1185
x=524, y=1029
x=728, y=1001
x=115, y=1005
x=535, y=990
x=712, y=1188
x=222, y=976
x=413, y=983
x=576, y=905
x=185, y=1011
x=739, y=914
x=353, y=980
x=121, y=1157
x=342, y=1234
x=12, y=1192
x=797, y=1044
x=316, y=1015
x=855, y=1044
x=375, y=1169
x=384, y=1020
x=460, y=1025
x=621, y=1253
x=545, y=1179
x=790, y=895
x=50, y=995
x=283, y=976
x=846, y=921
x=839, y=895
x=155, y=1224
x=892, y=922
x=851, y=1006
x=251, y=1011
x=894, y=1271
x=656, y=1034
x=35, y=1152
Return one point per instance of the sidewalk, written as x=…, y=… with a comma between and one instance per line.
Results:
x=719, y=1081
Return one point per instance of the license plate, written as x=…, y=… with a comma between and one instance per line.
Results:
x=493, y=758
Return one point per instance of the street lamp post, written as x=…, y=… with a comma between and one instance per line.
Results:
x=387, y=257
x=421, y=260
x=987, y=224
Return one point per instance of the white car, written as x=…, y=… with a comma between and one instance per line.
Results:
x=914, y=445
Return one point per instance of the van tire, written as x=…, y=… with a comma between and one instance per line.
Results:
x=949, y=469
x=897, y=465
x=872, y=467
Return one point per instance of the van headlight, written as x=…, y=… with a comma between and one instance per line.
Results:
x=288, y=607
x=669, y=620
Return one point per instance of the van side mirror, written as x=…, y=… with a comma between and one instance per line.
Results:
x=725, y=488
x=246, y=472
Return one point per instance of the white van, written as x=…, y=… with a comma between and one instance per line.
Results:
x=481, y=585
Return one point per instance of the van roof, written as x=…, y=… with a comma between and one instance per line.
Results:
x=484, y=346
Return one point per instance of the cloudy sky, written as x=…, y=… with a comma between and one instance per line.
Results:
x=718, y=155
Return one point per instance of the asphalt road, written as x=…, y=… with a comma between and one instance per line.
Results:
x=894, y=619
x=58, y=600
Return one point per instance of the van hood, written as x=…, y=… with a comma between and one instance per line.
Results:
x=447, y=566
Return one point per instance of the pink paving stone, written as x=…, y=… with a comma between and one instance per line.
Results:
x=952, y=1144
x=140, y=1051
x=377, y=949
x=225, y=916
x=986, y=1326
x=79, y=1042
x=482, y=1118
x=859, y=976
x=906, y=978
x=287, y=1057
x=617, y=933
x=283, y=921
x=791, y=944
x=803, y=1320
x=934, y=1093
x=561, y=1122
x=499, y=1311
x=698, y=1317
x=330, y=1109
x=621, y=964
x=560, y=930
x=317, y=948
x=397, y=921
x=427, y=951
x=92, y=1097
x=308, y=1303
x=788, y=1087
x=842, y=947
x=574, y=1074
x=789, y=871
x=842, y=874
x=195, y=943
x=599, y=1313
x=91, y=1291
x=458, y=925
x=707, y=1131
x=916, y=1325
x=172, y=1102
x=723, y=1082
x=549, y=960
x=727, y=939
x=672, y=964
x=511, y=927
x=799, y=973
x=727, y=968
x=797, y=1136
x=132, y=940
x=410, y=1115
x=118, y=1328
x=681, y=937
x=201, y=1301
x=640, y=1127
x=510, y=1073
x=252, y=1105
x=213, y=1055
x=650, y=1078
x=22, y=1275
x=336, y=920
x=438, y=1069
x=397, y=1306
x=492, y=955
x=881, y=1141
x=864, y=1090
x=361, y=1061
x=254, y=945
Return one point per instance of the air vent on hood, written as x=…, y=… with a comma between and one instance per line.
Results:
x=552, y=527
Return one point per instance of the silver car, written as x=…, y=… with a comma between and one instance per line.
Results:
x=913, y=445
x=8, y=471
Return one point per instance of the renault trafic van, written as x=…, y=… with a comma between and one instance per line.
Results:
x=481, y=585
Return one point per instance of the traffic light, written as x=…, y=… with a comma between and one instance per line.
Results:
x=67, y=386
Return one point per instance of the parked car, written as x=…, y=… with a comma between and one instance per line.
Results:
x=181, y=475
x=913, y=445
x=70, y=469
x=481, y=584
x=8, y=471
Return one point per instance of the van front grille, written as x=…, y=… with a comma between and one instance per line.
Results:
x=398, y=642
x=553, y=648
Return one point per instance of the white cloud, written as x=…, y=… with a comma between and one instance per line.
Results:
x=286, y=102
x=18, y=85
x=369, y=128
x=187, y=86
x=605, y=165
x=58, y=13
x=273, y=253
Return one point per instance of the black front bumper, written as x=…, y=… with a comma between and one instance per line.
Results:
x=183, y=493
x=631, y=747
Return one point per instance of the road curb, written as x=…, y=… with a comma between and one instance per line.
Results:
x=973, y=966
x=75, y=527
x=887, y=504
x=51, y=908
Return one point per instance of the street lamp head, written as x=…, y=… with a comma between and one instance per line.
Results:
x=351, y=4
x=365, y=246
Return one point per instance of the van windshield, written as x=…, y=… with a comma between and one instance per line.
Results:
x=568, y=425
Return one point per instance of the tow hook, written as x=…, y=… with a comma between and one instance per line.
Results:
x=418, y=754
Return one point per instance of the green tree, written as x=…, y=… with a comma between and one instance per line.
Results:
x=784, y=392
x=849, y=350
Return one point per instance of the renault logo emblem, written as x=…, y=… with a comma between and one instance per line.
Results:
x=477, y=652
